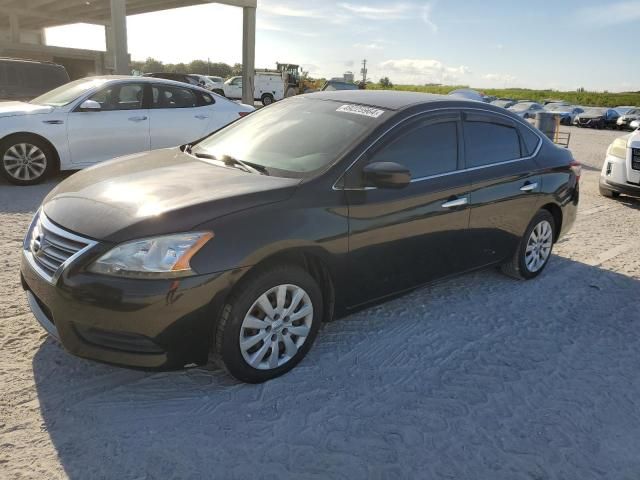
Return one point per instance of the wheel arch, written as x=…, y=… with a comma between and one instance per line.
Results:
x=56, y=154
x=556, y=213
x=309, y=259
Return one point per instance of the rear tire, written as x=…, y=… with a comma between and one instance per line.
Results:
x=267, y=99
x=534, y=250
x=256, y=341
x=26, y=159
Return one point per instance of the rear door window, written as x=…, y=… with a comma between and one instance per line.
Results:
x=205, y=99
x=489, y=139
x=168, y=96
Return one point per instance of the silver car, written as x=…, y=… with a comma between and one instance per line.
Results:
x=624, y=122
x=526, y=109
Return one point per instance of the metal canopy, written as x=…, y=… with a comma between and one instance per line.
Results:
x=36, y=14
x=18, y=16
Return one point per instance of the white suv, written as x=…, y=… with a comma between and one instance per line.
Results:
x=621, y=169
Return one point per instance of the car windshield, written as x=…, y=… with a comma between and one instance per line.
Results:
x=294, y=138
x=521, y=107
x=64, y=95
x=634, y=111
x=331, y=86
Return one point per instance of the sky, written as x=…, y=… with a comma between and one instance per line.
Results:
x=558, y=44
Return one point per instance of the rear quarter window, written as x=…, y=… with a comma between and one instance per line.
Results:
x=530, y=141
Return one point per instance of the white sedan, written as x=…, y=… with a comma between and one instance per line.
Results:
x=95, y=119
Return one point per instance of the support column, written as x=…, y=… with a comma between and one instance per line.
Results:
x=118, y=33
x=14, y=28
x=248, y=53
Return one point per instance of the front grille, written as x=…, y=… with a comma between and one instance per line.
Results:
x=48, y=247
x=635, y=158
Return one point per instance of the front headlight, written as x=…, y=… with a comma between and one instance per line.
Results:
x=618, y=148
x=167, y=256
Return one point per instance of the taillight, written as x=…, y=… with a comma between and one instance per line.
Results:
x=576, y=167
x=243, y=114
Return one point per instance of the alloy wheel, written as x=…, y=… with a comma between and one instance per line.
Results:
x=276, y=326
x=24, y=161
x=539, y=246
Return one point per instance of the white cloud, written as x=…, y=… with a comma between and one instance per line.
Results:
x=391, y=12
x=608, y=14
x=283, y=10
x=423, y=71
x=427, y=17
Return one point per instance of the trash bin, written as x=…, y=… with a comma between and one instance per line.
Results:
x=548, y=123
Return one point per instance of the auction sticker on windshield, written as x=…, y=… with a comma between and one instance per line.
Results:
x=361, y=110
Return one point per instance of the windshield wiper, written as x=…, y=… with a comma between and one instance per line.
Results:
x=229, y=161
x=248, y=166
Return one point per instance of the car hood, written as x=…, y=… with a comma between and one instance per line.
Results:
x=11, y=109
x=158, y=192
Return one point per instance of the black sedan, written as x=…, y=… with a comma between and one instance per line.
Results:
x=597, y=118
x=237, y=248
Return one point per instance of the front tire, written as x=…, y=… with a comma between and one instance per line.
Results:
x=269, y=324
x=534, y=250
x=26, y=160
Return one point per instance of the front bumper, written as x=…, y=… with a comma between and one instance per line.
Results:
x=151, y=324
x=589, y=122
x=627, y=189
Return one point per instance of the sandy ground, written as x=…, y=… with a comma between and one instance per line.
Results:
x=481, y=377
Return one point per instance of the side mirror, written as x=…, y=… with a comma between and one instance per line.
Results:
x=90, y=106
x=386, y=175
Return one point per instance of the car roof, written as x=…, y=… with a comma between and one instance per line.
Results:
x=387, y=99
x=27, y=60
x=132, y=78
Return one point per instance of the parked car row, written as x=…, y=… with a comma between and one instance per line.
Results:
x=588, y=117
x=95, y=119
x=269, y=87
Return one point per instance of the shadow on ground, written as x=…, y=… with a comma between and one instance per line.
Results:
x=25, y=199
x=477, y=377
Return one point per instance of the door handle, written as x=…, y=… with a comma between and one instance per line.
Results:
x=529, y=187
x=138, y=119
x=457, y=202
x=201, y=117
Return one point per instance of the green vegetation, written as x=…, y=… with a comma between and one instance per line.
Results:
x=201, y=67
x=580, y=97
